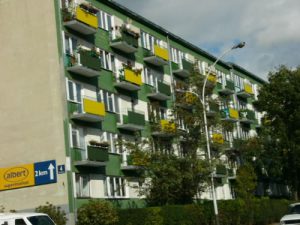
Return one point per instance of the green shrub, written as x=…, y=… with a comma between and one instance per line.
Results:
x=55, y=212
x=231, y=212
x=97, y=212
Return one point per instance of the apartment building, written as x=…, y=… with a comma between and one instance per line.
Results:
x=81, y=76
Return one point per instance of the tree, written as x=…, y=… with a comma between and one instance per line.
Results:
x=97, y=212
x=55, y=213
x=245, y=182
x=280, y=100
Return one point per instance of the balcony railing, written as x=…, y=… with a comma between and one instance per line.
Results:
x=89, y=110
x=212, y=109
x=82, y=19
x=165, y=128
x=221, y=170
x=94, y=156
x=86, y=63
x=158, y=57
x=229, y=114
x=161, y=92
x=247, y=116
x=125, y=40
x=183, y=69
x=133, y=121
x=226, y=89
x=129, y=79
x=247, y=92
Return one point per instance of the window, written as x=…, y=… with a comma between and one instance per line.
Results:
x=111, y=102
x=148, y=41
x=112, y=139
x=74, y=91
x=107, y=60
x=70, y=44
x=115, y=187
x=82, y=185
x=148, y=77
x=40, y=220
x=20, y=222
x=104, y=20
x=77, y=139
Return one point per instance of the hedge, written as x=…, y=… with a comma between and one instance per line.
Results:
x=231, y=212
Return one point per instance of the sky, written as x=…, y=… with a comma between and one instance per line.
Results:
x=270, y=28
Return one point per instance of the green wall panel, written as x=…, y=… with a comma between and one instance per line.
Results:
x=113, y=167
x=110, y=123
x=106, y=81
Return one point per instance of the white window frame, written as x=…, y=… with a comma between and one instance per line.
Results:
x=117, y=182
x=79, y=178
x=103, y=20
x=76, y=89
x=111, y=101
x=107, y=60
x=79, y=137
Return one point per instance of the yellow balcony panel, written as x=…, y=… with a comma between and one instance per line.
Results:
x=91, y=111
x=212, y=78
x=86, y=17
x=130, y=80
x=166, y=129
x=233, y=113
x=218, y=138
x=133, y=76
x=81, y=20
x=161, y=52
x=248, y=88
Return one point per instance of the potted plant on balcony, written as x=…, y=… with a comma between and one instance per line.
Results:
x=100, y=144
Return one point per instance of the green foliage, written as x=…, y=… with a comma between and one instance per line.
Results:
x=246, y=181
x=97, y=212
x=55, y=212
x=231, y=212
x=280, y=99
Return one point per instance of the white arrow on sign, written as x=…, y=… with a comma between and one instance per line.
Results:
x=51, y=170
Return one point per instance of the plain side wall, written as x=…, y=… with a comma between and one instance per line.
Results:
x=31, y=98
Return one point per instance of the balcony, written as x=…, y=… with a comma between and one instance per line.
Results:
x=247, y=92
x=183, y=69
x=94, y=156
x=221, y=170
x=247, y=116
x=226, y=89
x=217, y=138
x=134, y=121
x=129, y=164
x=89, y=111
x=159, y=57
x=161, y=92
x=211, y=80
x=82, y=19
x=129, y=79
x=125, y=40
x=165, y=128
x=212, y=109
x=229, y=114
x=86, y=63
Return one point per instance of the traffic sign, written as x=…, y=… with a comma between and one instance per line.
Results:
x=61, y=169
x=45, y=172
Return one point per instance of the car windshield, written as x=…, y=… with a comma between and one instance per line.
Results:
x=294, y=209
x=40, y=220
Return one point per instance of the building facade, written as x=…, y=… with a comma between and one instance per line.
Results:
x=81, y=76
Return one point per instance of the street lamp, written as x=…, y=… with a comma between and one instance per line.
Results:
x=202, y=99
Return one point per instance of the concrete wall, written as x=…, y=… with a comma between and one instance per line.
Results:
x=31, y=98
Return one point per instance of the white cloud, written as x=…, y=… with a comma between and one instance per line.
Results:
x=270, y=28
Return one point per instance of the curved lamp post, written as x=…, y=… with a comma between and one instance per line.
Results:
x=202, y=99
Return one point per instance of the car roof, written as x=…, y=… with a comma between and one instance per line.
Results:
x=294, y=204
x=19, y=215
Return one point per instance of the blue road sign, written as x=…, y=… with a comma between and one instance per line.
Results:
x=45, y=172
x=61, y=169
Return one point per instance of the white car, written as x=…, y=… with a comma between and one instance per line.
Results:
x=293, y=216
x=25, y=219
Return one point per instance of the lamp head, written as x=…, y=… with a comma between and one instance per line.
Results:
x=239, y=45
